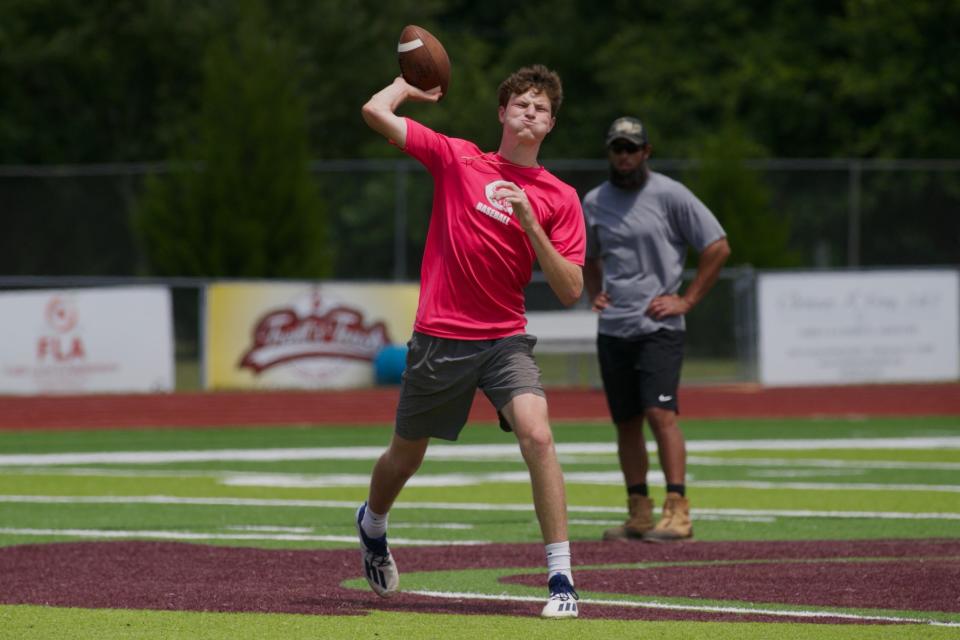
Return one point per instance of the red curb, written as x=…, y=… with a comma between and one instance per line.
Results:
x=377, y=406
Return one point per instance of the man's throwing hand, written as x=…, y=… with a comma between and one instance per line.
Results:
x=416, y=94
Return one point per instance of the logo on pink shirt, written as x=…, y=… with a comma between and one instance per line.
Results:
x=496, y=207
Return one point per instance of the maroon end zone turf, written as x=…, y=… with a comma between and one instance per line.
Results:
x=918, y=575
x=894, y=585
x=377, y=406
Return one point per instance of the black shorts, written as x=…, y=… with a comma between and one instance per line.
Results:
x=639, y=373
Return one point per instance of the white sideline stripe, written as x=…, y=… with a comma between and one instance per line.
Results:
x=313, y=481
x=804, y=473
x=808, y=466
x=821, y=462
x=615, y=478
x=451, y=526
x=455, y=452
x=802, y=613
x=269, y=529
x=945, y=442
x=457, y=506
x=810, y=513
x=211, y=455
x=699, y=516
x=192, y=535
x=811, y=464
x=606, y=478
x=827, y=486
x=299, y=481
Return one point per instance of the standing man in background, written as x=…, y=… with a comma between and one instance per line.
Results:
x=639, y=225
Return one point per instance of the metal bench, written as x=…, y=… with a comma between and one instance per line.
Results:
x=564, y=331
x=566, y=346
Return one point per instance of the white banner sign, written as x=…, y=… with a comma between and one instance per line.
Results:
x=86, y=340
x=846, y=327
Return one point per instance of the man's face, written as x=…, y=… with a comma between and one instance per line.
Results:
x=626, y=156
x=528, y=116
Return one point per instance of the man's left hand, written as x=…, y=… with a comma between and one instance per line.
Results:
x=517, y=198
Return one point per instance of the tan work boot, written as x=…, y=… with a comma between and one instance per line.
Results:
x=639, y=522
x=675, y=523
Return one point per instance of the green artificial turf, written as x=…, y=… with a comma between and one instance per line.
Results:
x=41, y=623
x=902, y=493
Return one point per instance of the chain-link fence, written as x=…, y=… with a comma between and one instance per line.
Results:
x=841, y=213
x=77, y=222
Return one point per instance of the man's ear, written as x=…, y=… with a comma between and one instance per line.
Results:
x=500, y=113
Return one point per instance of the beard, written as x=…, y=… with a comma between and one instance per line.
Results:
x=631, y=180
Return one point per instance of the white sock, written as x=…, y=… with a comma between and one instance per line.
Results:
x=374, y=524
x=558, y=560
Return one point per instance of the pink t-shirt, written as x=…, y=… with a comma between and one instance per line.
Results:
x=478, y=260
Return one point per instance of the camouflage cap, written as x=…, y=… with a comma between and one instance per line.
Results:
x=627, y=128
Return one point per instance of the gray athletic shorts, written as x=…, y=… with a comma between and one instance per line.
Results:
x=442, y=377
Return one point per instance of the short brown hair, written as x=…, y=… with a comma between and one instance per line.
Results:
x=536, y=77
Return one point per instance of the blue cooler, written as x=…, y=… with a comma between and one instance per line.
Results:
x=389, y=364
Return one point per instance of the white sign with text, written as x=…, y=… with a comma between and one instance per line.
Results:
x=86, y=341
x=856, y=327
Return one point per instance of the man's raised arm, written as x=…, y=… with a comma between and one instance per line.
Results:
x=380, y=110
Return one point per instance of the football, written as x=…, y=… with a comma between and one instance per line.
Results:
x=423, y=60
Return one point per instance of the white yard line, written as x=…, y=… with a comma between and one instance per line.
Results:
x=821, y=462
x=786, y=613
x=812, y=513
x=454, y=452
x=318, y=481
x=457, y=506
x=269, y=529
x=608, y=478
x=828, y=486
x=699, y=515
x=194, y=535
x=604, y=478
x=809, y=465
x=803, y=473
x=447, y=526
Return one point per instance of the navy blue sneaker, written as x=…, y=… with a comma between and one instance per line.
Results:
x=378, y=565
x=563, y=599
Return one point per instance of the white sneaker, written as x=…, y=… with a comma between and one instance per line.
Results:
x=563, y=599
x=378, y=565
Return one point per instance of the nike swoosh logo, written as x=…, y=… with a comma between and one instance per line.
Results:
x=663, y=398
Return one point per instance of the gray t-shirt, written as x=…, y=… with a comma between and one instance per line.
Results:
x=641, y=238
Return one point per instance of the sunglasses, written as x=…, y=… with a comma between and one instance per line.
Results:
x=621, y=147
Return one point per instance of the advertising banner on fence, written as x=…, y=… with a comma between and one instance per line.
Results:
x=302, y=335
x=855, y=327
x=86, y=341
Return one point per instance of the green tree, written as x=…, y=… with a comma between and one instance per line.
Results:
x=113, y=80
x=758, y=235
x=898, y=81
x=97, y=81
x=242, y=202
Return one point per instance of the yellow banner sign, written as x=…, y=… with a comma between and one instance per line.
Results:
x=302, y=335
